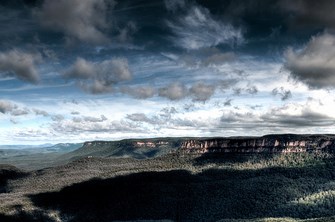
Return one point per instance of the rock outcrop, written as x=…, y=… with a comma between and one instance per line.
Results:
x=286, y=143
x=150, y=144
x=282, y=143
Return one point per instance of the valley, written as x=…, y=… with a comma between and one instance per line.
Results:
x=167, y=179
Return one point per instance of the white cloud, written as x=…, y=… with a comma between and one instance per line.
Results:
x=196, y=28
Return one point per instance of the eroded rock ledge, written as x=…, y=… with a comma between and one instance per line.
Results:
x=270, y=143
x=285, y=143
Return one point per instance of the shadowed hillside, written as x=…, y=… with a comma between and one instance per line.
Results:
x=8, y=172
x=179, y=185
x=211, y=195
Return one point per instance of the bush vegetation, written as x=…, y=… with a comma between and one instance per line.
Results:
x=297, y=187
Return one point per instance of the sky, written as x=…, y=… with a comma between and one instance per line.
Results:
x=81, y=70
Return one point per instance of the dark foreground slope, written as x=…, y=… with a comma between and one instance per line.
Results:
x=210, y=195
x=8, y=172
x=248, y=187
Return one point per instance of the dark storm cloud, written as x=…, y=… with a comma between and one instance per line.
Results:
x=20, y=65
x=311, y=13
x=304, y=119
x=314, y=65
x=99, y=77
x=85, y=21
x=275, y=118
x=224, y=22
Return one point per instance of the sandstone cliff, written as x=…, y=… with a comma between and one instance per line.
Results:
x=142, y=148
x=270, y=143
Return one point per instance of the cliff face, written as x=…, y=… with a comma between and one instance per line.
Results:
x=284, y=143
x=150, y=144
x=269, y=144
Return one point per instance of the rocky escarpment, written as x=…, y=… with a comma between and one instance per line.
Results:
x=270, y=144
x=143, y=148
x=150, y=144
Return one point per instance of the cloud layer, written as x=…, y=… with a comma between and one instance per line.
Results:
x=165, y=67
